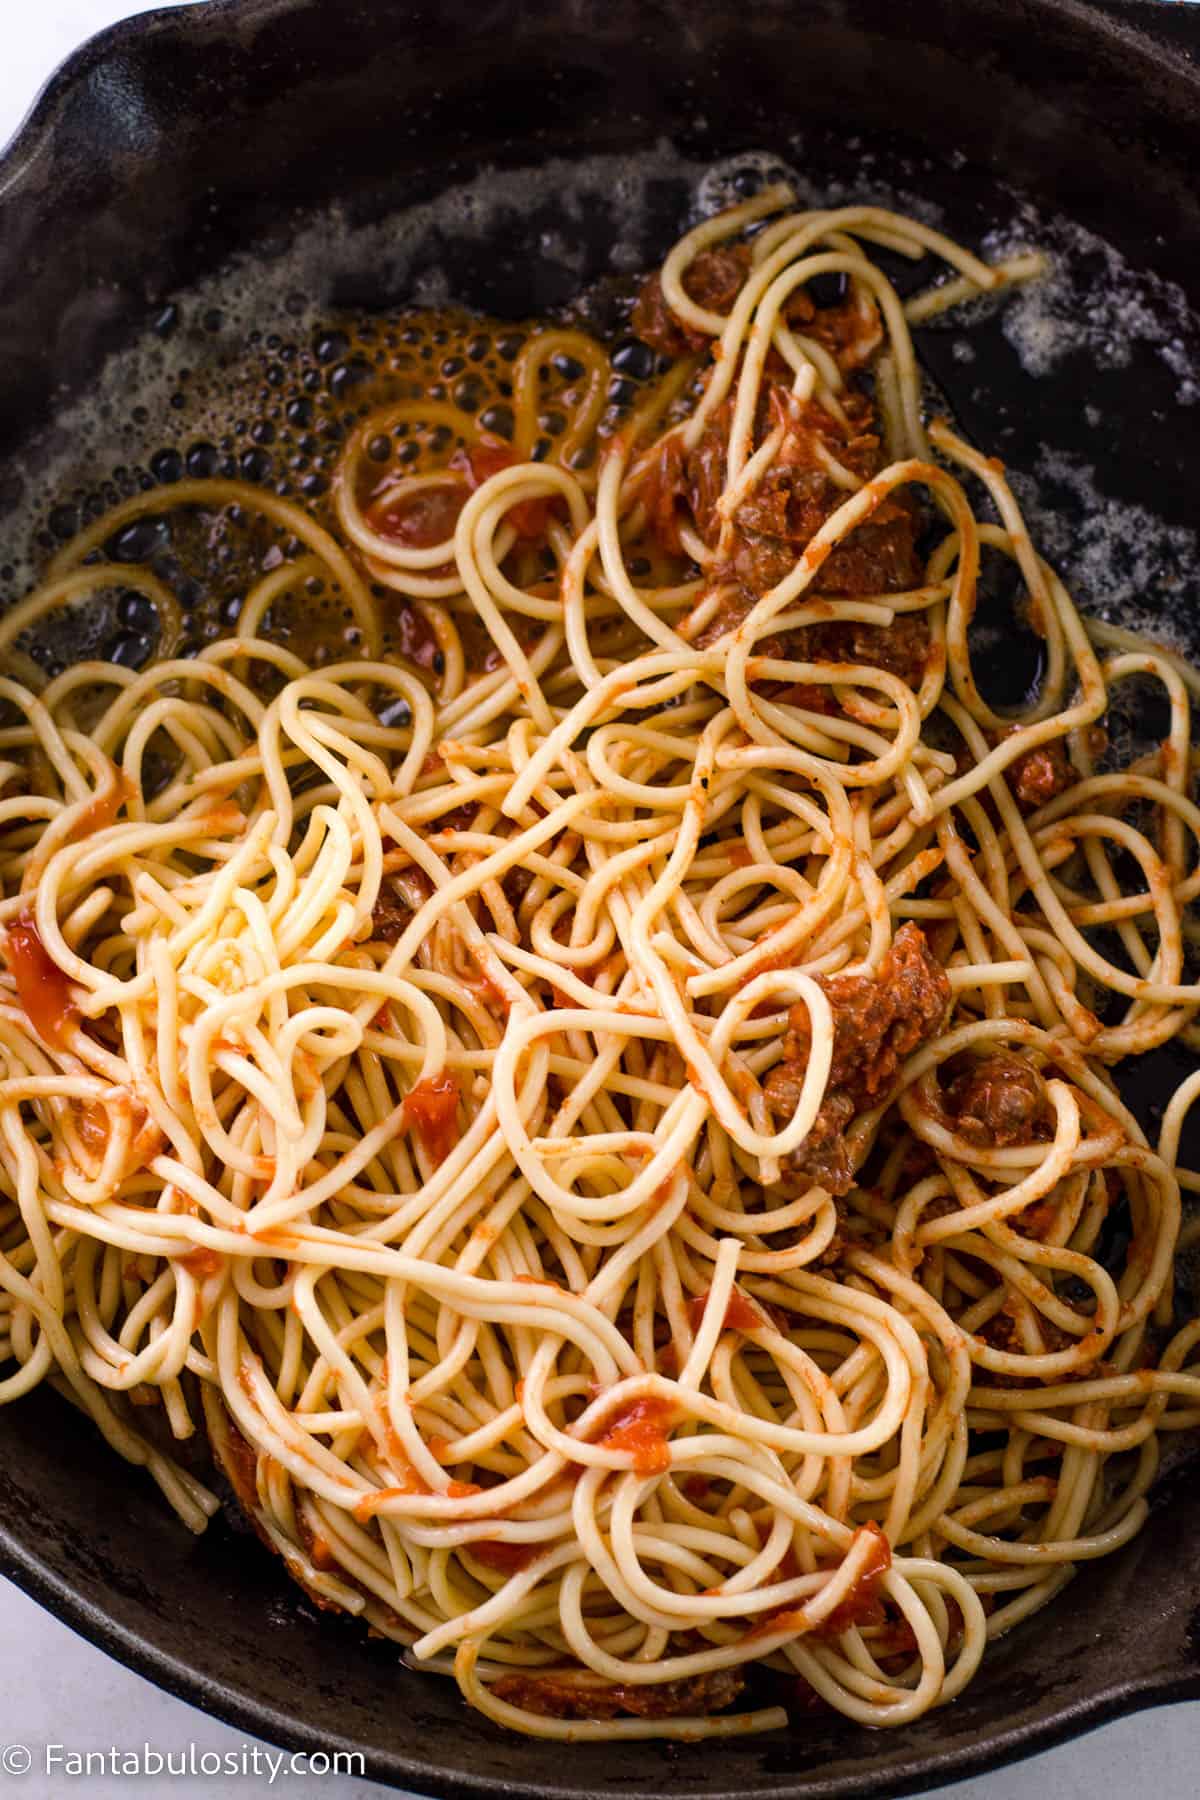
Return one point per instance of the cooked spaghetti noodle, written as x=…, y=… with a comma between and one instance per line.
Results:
x=606, y=1119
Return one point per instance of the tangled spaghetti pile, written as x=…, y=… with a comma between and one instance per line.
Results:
x=613, y=1136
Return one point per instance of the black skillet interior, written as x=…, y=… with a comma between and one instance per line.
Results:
x=179, y=139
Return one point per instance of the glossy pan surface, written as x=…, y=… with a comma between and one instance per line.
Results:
x=180, y=139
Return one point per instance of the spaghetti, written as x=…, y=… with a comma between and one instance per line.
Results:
x=606, y=1119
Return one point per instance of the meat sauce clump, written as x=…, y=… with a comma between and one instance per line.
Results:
x=713, y=280
x=1040, y=775
x=878, y=1021
x=998, y=1100
x=400, y=898
x=801, y=489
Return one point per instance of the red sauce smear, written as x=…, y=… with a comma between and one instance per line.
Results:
x=422, y=517
x=642, y=1427
x=488, y=457
x=557, y=1696
x=507, y=1559
x=43, y=990
x=414, y=636
x=93, y=1127
x=805, y=1698
x=860, y=1607
x=241, y=1465
x=431, y=1111
x=418, y=518
x=781, y=959
x=488, y=992
x=409, y=1483
x=101, y=812
x=740, y=1313
x=321, y=1554
x=202, y=1262
x=276, y=1237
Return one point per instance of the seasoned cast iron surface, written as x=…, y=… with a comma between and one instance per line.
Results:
x=181, y=139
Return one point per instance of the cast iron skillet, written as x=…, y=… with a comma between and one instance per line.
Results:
x=181, y=137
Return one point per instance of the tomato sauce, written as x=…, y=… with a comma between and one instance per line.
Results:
x=43, y=989
x=662, y=488
x=643, y=1427
x=93, y=1127
x=789, y=1618
x=740, y=1313
x=488, y=457
x=861, y=1605
x=767, y=965
x=241, y=1464
x=430, y=1111
x=806, y=695
x=101, y=812
x=413, y=636
x=409, y=1483
x=805, y=1698
x=321, y=1554
x=416, y=518
x=490, y=993
x=505, y=1558
x=202, y=1262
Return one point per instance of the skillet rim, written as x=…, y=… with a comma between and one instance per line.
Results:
x=1005, y=1743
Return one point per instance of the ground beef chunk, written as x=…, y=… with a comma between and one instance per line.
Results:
x=878, y=557
x=851, y=331
x=654, y=322
x=558, y=1697
x=998, y=1100
x=1000, y=1333
x=878, y=1020
x=824, y=1156
x=390, y=918
x=785, y=510
x=516, y=885
x=902, y=648
x=713, y=280
x=457, y=818
x=796, y=496
x=679, y=489
x=398, y=899
x=792, y=500
x=790, y=504
x=1040, y=775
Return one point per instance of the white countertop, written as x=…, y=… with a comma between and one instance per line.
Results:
x=56, y=1690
